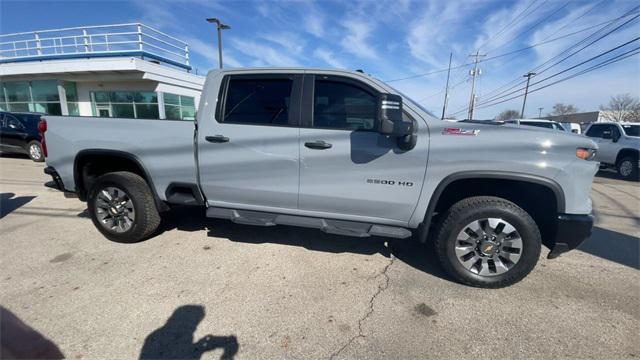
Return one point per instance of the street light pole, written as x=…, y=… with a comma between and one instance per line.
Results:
x=540, y=112
x=524, y=102
x=220, y=26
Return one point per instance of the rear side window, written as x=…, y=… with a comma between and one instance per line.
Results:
x=258, y=101
x=595, y=131
x=343, y=106
x=631, y=130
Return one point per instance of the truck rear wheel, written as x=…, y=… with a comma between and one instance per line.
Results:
x=487, y=242
x=122, y=207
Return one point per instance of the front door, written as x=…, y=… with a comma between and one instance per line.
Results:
x=13, y=133
x=603, y=135
x=248, y=150
x=347, y=169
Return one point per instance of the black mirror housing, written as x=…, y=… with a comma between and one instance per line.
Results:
x=390, y=120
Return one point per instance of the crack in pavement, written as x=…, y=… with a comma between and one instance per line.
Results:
x=381, y=288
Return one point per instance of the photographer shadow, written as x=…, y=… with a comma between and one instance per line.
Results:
x=174, y=340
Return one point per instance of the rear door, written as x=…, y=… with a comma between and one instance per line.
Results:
x=248, y=151
x=348, y=170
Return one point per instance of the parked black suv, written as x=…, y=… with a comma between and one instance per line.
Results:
x=19, y=134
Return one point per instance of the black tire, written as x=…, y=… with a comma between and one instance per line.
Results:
x=38, y=155
x=146, y=219
x=466, y=211
x=623, y=171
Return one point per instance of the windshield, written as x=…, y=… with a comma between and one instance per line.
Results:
x=631, y=130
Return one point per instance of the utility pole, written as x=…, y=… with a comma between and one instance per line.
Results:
x=475, y=72
x=540, y=112
x=446, y=89
x=526, y=90
x=220, y=26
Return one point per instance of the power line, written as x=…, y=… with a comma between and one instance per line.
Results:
x=510, y=52
x=609, y=22
x=499, y=94
x=632, y=52
x=604, y=63
x=496, y=97
x=532, y=26
x=612, y=60
x=490, y=39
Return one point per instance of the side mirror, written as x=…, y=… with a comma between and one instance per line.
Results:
x=390, y=120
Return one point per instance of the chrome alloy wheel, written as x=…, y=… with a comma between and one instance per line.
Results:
x=626, y=168
x=114, y=209
x=35, y=152
x=488, y=247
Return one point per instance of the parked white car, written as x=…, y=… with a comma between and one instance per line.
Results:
x=547, y=124
x=572, y=127
x=618, y=146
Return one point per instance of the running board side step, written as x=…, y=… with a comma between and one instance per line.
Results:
x=337, y=227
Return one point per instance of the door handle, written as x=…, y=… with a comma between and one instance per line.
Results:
x=318, y=145
x=217, y=139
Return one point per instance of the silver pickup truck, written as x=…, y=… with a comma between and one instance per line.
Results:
x=341, y=152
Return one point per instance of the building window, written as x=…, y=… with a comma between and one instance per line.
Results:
x=179, y=107
x=125, y=104
x=35, y=96
x=72, y=98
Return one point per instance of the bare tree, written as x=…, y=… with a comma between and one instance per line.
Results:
x=508, y=114
x=622, y=107
x=563, y=109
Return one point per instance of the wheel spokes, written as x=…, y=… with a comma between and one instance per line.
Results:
x=488, y=247
x=114, y=209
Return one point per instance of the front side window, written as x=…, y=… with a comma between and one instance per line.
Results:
x=343, y=106
x=258, y=101
x=595, y=131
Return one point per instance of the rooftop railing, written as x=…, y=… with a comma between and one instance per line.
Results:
x=134, y=39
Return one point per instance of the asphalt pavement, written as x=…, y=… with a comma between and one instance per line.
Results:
x=208, y=288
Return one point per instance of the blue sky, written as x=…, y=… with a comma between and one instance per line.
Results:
x=388, y=39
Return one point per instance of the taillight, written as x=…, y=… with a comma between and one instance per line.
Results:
x=42, y=128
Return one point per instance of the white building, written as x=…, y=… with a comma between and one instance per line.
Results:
x=125, y=70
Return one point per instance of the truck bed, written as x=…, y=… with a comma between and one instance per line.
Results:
x=164, y=147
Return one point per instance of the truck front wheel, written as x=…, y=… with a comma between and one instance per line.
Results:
x=487, y=242
x=122, y=207
x=628, y=168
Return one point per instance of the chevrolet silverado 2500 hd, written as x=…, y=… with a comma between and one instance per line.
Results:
x=342, y=152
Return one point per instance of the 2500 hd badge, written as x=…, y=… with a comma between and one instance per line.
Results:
x=389, y=182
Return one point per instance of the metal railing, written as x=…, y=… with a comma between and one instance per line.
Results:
x=98, y=41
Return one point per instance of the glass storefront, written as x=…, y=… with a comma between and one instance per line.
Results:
x=125, y=104
x=179, y=107
x=141, y=105
x=37, y=96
